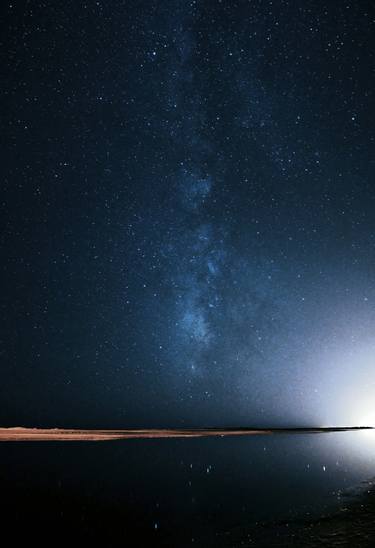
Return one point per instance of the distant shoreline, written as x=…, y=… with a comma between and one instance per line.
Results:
x=64, y=434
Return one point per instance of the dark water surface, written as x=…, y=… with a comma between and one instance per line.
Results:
x=188, y=492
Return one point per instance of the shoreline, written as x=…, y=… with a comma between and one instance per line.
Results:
x=20, y=433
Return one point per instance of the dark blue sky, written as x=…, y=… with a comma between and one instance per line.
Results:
x=187, y=212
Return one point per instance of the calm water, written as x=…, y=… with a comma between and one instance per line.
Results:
x=206, y=492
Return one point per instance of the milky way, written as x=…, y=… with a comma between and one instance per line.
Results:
x=188, y=228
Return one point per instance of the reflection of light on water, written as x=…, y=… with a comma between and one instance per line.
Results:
x=368, y=438
x=357, y=447
x=361, y=444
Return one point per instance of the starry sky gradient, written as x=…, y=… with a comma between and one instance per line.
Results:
x=187, y=212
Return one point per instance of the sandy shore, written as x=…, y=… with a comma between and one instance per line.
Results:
x=58, y=434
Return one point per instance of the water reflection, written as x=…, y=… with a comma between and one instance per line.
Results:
x=182, y=492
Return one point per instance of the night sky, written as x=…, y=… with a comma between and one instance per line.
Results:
x=187, y=213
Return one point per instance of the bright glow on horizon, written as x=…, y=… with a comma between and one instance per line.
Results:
x=367, y=420
x=347, y=389
x=363, y=413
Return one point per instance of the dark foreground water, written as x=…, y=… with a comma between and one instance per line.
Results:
x=304, y=490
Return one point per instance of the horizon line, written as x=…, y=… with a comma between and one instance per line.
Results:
x=20, y=433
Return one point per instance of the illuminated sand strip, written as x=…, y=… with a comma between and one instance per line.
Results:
x=57, y=434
